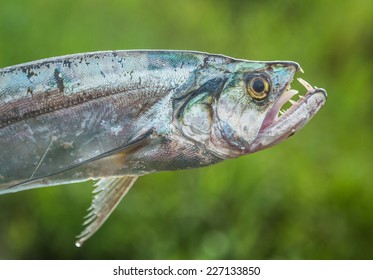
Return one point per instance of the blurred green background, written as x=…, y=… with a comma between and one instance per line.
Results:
x=309, y=198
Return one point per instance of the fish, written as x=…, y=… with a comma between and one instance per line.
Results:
x=113, y=116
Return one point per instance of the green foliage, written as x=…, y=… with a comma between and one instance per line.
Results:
x=308, y=198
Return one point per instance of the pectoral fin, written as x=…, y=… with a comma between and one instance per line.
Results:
x=105, y=165
x=109, y=192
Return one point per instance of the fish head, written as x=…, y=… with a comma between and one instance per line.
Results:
x=249, y=114
x=247, y=111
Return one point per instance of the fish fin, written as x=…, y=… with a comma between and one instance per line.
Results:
x=108, y=194
x=101, y=162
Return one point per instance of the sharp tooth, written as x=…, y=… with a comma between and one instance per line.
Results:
x=306, y=85
x=292, y=102
x=282, y=112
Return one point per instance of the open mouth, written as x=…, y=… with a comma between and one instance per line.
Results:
x=289, y=114
x=282, y=108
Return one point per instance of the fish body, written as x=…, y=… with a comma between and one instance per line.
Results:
x=113, y=116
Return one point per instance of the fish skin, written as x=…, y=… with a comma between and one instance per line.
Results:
x=61, y=112
x=109, y=101
x=129, y=113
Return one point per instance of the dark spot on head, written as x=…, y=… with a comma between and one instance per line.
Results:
x=212, y=87
x=30, y=74
x=30, y=91
x=205, y=61
x=67, y=63
x=59, y=80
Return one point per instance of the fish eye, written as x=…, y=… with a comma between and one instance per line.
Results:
x=258, y=87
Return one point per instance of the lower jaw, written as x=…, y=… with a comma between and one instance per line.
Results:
x=289, y=123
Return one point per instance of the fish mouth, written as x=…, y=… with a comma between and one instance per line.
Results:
x=288, y=115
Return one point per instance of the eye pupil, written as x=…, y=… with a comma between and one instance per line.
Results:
x=258, y=85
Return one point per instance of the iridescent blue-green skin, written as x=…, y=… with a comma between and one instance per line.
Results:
x=58, y=114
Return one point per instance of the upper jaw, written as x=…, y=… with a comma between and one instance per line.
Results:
x=278, y=126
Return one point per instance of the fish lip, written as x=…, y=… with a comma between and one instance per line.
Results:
x=277, y=128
